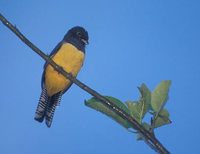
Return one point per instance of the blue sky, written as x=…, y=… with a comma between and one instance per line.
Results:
x=131, y=42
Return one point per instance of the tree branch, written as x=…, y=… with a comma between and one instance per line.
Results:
x=105, y=101
x=150, y=144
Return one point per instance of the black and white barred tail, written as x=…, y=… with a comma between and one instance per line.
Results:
x=42, y=105
x=46, y=106
x=53, y=102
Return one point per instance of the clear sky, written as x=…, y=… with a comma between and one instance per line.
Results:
x=131, y=42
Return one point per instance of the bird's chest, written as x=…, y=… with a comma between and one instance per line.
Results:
x=71, y=60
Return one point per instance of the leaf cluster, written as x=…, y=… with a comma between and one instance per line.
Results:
x=149, y=102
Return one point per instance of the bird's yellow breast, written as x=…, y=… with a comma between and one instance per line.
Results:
x=71, y=60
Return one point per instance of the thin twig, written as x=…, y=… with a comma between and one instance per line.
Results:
x=104, y=100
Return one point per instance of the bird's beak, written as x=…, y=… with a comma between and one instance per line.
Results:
x=84, y=41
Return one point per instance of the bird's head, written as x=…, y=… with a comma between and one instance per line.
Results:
x=78, y=34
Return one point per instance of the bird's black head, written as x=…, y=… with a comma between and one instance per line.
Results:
x=77, y=36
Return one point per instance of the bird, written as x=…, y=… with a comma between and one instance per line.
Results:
x=68, y=54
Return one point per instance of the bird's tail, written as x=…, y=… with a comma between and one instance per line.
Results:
x=46, y=106
x=53, y=102
x=42, y=105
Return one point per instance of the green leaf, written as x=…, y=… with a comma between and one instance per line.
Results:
x=159, y=95
x=146, y=126
x=139, y=108
x=139, y=137
x=145, y=99
x=97, y=105
x=134, y=110
x=162, y=119
x=164, y=113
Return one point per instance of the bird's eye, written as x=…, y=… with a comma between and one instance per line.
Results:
x=79, y=34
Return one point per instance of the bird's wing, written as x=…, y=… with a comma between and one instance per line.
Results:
x=53, y=52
